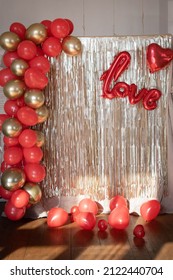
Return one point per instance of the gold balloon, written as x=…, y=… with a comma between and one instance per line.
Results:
x=19, y=66
x=11, y=127
x=34, y=98
x=9, y=41
x=36, y=32
x=71, y=45
x=14, y=89
x=40, y=138
x=34, y=192
x=13, y=178
x=42, y=113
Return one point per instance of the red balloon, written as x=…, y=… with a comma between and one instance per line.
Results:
x=26, y=50
x=3, y=117
x=88, y=205
x=39, y=51
x=20, y=101
x=102, y=225
x=27, y=116
x=9, y=57
x=60, y=28
x=71, y=26
x=5, y=166
x=57, y=217
x=11, y=108
x=86, y=220
x=117, y=201
x=27, y=138
x=5, y=76
x=5, y=193
x=33, y=154
x=9, y=141
x=52, y=47
x=41, y=63
x=158, y=57
x=12, y=212
x=13, y=155
x=20, y=198
x=35, y=172
x=19, y=29
x=139, y=231
x=119, y=217
x=74, y=212
x=149, y=210
x=47, y=24
x=34, y=78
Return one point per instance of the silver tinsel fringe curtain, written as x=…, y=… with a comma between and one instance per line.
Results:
x=97, y=147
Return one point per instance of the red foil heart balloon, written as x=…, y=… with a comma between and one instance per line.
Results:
x=158, y=57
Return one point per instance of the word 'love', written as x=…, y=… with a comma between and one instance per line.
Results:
x=149, y=97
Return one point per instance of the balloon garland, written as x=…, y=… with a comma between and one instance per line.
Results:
x=24, y=79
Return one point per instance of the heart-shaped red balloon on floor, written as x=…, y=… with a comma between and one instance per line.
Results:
x=56, y=217
x=150, y=209
x=158, y=57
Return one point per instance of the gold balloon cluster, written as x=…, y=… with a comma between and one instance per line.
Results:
x=30, y=88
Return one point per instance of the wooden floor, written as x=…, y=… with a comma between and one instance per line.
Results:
x=32, y=239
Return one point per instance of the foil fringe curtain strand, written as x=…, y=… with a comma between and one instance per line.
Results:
x=97, y=147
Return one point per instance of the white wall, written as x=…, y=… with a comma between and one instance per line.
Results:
x=93, y=17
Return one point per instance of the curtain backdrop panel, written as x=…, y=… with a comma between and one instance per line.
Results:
x=97, y=147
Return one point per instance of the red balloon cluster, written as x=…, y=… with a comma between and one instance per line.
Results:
x=24, y=77
x=84, y=214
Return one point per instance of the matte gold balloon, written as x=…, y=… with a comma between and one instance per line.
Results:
x=11, y=127
x=40, y=138
x=19, y=66
x=9, y=41
x=34, y=98
x=13, y=178
x=42, y=114
x=71, y=45
x=34, y=192
x=14, y=89
x=36, y=32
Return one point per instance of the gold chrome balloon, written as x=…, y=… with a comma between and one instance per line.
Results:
x=36, y=32
x=19, y=66
x=71, y=45
x=11, y=127
x=40, y=138
x=9, y=41
x=34, y=192
x=13, y=178
x=34, y=98
x=14, y=89
x=42, y=113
